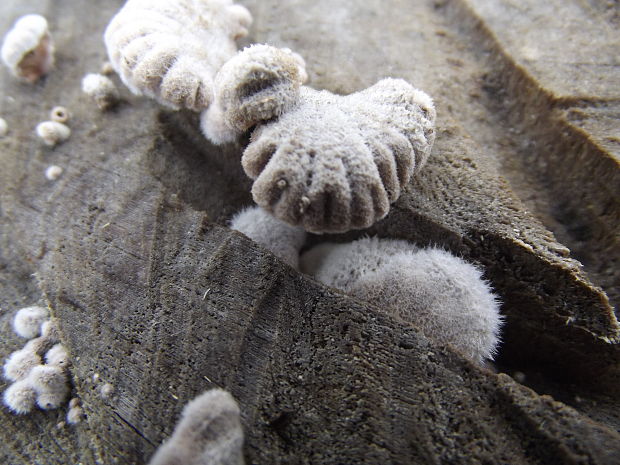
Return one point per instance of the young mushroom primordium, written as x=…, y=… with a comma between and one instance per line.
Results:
x=326, y=162
x=170, y=51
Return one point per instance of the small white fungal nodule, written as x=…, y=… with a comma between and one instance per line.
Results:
x=20, y=397
x=57, y=356
x=27, y=49
x=170, y=51
x=343, y=159
x=28, y=320
x=75, y=415
x=49, y=330
x=441, y=294
x=107, y=69
x=257, y=84
x=53, y=132
x=106, y=390
x=101, y=89
x=4, y=128
x=60, y=114
x=53, y=172
x=282, y=239
x=75, y=402
x=209, y=433
x=51, y=385
x=19, y=364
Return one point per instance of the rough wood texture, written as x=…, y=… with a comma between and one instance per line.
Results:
x=158, y=300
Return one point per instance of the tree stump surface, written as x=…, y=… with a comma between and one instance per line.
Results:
x=156, y=297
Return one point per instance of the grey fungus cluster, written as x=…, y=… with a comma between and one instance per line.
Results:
x=38, y=371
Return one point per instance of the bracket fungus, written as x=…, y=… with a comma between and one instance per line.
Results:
x=335, y=163
x=443, y=295
x=170, y=51
x=27, y=49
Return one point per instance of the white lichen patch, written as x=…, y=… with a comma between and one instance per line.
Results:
x=27, y=49
x=441, y=294
x=282, y=239
x=170, y=51
x=334, y=163
x=101, y=89
x=53, y=132
x=256, y=85
x=53, y=172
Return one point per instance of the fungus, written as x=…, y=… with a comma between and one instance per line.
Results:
x=209, y=432
x=53, y=132
x=59, y=114
x=343, y=159
x=4, y=128
x=50, y=383
x=20, y=397
x=106, y=391
x=28, y=320
x=75, y=415
x=19, y=364
x=256, y=85
x=444, y=296
x=53, y=172
x=49, y=330
x=57, y=356
x=282, y=239
x=101, y=89
x=170, y=51
x=27, y=49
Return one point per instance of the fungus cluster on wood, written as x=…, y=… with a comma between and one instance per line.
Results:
x=38, y=371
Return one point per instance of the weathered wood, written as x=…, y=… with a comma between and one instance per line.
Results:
x=153, y=295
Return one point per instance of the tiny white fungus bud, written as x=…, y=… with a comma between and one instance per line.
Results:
x=101, y=89
x=27, y=49
x=107, y=69
x=74, y=402
x=20, y=397
x=75, y=415
x=27, y=321
x=19, y=364
x=49, y=330
x=106, y=390
x=60, y=114
x=53, y=132
x=53, y=172
x=4, y=128
x=57, y=356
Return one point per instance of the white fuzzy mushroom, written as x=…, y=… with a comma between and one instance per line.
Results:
x=209, y=433
x=170, y=51
x=333, y=163
x=20, y=397
x=444, y=296
x=28, y=320
x=4, y=127
x=53, y=132
x=18, y=365
x=282, y=239
x=75, y=415
x=57, y=356
x=256, y=85
x=101, y=89
x=51, y=385
x=27, y=49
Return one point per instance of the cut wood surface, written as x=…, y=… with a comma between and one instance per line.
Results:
x=157, y=298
